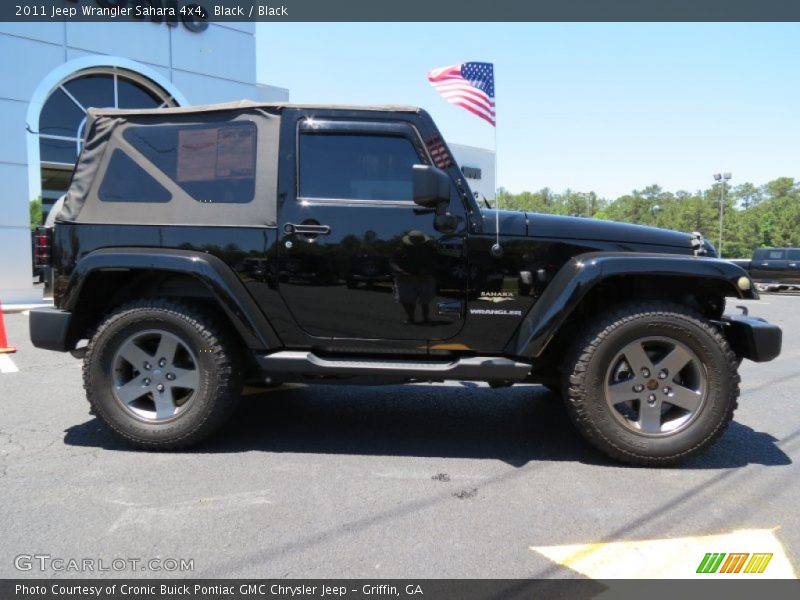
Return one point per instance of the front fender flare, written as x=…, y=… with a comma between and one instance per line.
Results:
x=580, y=274
x=223, y=284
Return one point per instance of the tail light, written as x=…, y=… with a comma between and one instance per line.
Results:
x=42, y=246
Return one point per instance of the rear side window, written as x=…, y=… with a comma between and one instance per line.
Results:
x=356, y=167
x=794, y=254
x=126, y=181
x=210, y=162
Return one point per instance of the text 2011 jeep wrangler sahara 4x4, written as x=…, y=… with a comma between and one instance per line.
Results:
x=201, y=248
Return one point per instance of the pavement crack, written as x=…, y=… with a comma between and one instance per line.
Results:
x=9, y=441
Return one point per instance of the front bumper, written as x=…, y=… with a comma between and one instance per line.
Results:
x=753, y=338
x=50, y=328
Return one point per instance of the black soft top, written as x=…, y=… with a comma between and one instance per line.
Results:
x=214, y=164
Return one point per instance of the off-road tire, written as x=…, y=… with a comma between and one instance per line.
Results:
x=218, y=366
x=586, y=367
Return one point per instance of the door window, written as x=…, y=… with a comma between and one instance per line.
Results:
x=356, y=167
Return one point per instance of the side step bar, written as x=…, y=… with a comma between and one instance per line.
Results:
x=477, y=368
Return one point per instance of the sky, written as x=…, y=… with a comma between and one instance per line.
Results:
x=604, y=107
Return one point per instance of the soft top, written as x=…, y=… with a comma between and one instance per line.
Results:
x=247, y=104
x=202, y=165
x=214, y=164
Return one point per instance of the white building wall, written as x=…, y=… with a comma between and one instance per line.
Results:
x=478, y=167
x=216, y=65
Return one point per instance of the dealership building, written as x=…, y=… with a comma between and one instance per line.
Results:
x=52, y=72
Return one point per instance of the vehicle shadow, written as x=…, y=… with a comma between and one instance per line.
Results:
x=516, y=425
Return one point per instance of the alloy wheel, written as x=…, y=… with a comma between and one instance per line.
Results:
x=155, y=375
x=656, y=386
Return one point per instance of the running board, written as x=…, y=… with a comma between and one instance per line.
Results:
x=476, y=368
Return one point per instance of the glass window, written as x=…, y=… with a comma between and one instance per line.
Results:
x=56, y=178
x=92, y=90
x=356, y=167
x=58, y=151
x=60, y=115
x=211, y=162
x=794, y=254
x=126, y=181
x=775, y=255
x=131, y=95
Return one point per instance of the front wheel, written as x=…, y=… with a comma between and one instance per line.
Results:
x=161, y=374
x=652, y=384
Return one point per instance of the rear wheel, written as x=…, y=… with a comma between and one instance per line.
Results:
x=652, y=384
x=162, y=374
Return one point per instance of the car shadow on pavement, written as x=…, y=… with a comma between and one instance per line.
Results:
x=516, y=425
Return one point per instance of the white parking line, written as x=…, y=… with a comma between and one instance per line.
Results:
x=7, y=365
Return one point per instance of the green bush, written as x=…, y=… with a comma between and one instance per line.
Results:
x=36, y=213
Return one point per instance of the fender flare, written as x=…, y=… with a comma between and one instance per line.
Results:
x=223, y=284
x=581, y=273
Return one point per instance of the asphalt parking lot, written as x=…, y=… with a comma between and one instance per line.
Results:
x=452, y=480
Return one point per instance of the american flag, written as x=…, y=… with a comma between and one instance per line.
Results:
x=468, y=85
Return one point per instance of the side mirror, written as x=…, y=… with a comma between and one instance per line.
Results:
x=431, y=186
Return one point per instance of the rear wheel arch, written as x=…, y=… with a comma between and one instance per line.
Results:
x=109, y=278
x=104, y=292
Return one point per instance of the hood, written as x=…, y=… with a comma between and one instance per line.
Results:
x=581, y=228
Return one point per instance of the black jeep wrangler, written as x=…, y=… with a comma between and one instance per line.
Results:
x=202, y=248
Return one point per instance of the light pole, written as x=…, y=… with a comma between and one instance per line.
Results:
x=724, y=178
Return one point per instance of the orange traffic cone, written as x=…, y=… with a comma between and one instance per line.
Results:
x=4, y=347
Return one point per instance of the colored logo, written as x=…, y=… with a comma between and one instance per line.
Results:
x=742, y=562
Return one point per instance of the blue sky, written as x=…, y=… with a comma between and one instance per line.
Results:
x=603, y=107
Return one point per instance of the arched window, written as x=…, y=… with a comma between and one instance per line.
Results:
x=63, y=118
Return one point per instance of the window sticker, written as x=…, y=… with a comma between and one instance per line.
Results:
x=197, y=154
x=235, y=152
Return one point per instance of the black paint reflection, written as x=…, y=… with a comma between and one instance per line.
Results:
x=413, y=266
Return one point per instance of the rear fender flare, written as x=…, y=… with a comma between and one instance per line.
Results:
x=223, y=284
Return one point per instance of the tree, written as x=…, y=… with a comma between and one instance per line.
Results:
x=35, y=206
x=753, y=215
x=747, y=195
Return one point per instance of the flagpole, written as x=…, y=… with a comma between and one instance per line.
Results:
x=497, y=250
x=496, y=178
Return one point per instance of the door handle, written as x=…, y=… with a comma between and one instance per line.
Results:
x=306, y=229
x=792, y=264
